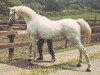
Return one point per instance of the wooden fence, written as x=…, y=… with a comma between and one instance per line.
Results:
x=95, y=25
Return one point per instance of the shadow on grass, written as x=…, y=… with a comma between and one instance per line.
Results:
x=23, y=63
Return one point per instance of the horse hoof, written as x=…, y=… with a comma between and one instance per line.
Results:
x=53, y=60
x=10, y=59
x=29, y=60
x=88, y=70
x=39, y=58
x=30, y=63
x=78, y=65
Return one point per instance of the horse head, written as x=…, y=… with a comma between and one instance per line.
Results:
x=12, y=16
x=21, y=11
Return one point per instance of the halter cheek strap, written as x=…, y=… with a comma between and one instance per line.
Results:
x=14, y=14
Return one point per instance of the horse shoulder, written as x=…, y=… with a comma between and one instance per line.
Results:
x=32, y=28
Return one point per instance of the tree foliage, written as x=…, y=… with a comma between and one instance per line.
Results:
x=53, y=5
x=49, y=5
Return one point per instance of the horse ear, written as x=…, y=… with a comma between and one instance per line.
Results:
x=10, y=8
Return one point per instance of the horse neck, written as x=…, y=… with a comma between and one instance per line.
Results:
x=28, y=17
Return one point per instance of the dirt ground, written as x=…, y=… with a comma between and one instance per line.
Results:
x=15, y=67
x=81, y=70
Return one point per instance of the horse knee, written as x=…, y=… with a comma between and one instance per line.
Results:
x=84, y=50
x=30, y=46
x=81, y=48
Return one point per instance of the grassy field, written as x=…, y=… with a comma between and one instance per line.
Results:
x=22, y=54
x=74, y=14
x=45, y=70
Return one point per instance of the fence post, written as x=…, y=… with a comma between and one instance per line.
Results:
x=11, y=50
x=66, y=43
x=95, y=18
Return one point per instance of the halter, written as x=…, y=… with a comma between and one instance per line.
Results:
x=14, y=16
x=11, y=21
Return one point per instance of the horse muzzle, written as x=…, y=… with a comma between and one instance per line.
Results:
x=10, y=22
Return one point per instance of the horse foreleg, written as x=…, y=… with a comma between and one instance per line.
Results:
x=30, y=52
x=32, y=49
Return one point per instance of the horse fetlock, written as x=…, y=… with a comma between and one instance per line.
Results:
x=79, y=65
x=10, y=59
x=31, y=61
x=30, y=58
x=88, y=70
x=53, y=60
x=89, y=67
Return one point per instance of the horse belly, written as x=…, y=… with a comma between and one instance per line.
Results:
x=49, y=33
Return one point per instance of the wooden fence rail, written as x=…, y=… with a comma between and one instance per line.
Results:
x=11, y=45
x=20, y=24
x=11, y=35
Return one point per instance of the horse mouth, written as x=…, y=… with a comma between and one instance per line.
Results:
x=10, y=23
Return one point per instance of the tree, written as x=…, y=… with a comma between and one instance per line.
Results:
x=95, y=4
x=53, y=5
x=27, y=1
x=4, y=4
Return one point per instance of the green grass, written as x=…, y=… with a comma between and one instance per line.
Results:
x=74, y=14
x=45, y=70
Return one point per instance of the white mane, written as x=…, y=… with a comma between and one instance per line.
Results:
x=25, y=11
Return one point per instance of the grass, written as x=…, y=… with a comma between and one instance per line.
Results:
x=74, y=14
x=63, y=66
x=42, y=70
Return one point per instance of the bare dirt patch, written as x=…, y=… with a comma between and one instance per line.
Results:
x=16, y=67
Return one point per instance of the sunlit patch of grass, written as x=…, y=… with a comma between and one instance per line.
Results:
x=68, y=65
x=43, y=70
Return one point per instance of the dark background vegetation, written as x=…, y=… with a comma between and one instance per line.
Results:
x=51, y=6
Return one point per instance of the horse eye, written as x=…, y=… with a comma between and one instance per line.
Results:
x=11, y=14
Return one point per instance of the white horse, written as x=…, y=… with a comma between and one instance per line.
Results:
x=39, y=26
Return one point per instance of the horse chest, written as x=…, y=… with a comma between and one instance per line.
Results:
x=32, y=29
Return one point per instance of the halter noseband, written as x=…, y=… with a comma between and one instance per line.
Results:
x=11, y=21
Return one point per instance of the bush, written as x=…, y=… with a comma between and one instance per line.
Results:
x=4, y=4
x=74, y=6
x=53, y=5
x=35, y=6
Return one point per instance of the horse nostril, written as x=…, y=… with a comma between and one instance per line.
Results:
x=10, y=22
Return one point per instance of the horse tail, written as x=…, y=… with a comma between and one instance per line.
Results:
x=86, y=29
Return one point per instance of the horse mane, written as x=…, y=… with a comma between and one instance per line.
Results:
x=24, y=10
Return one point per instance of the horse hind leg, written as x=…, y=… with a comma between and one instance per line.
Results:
x=80, y=59
x=84, y=52
x=76, y=41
